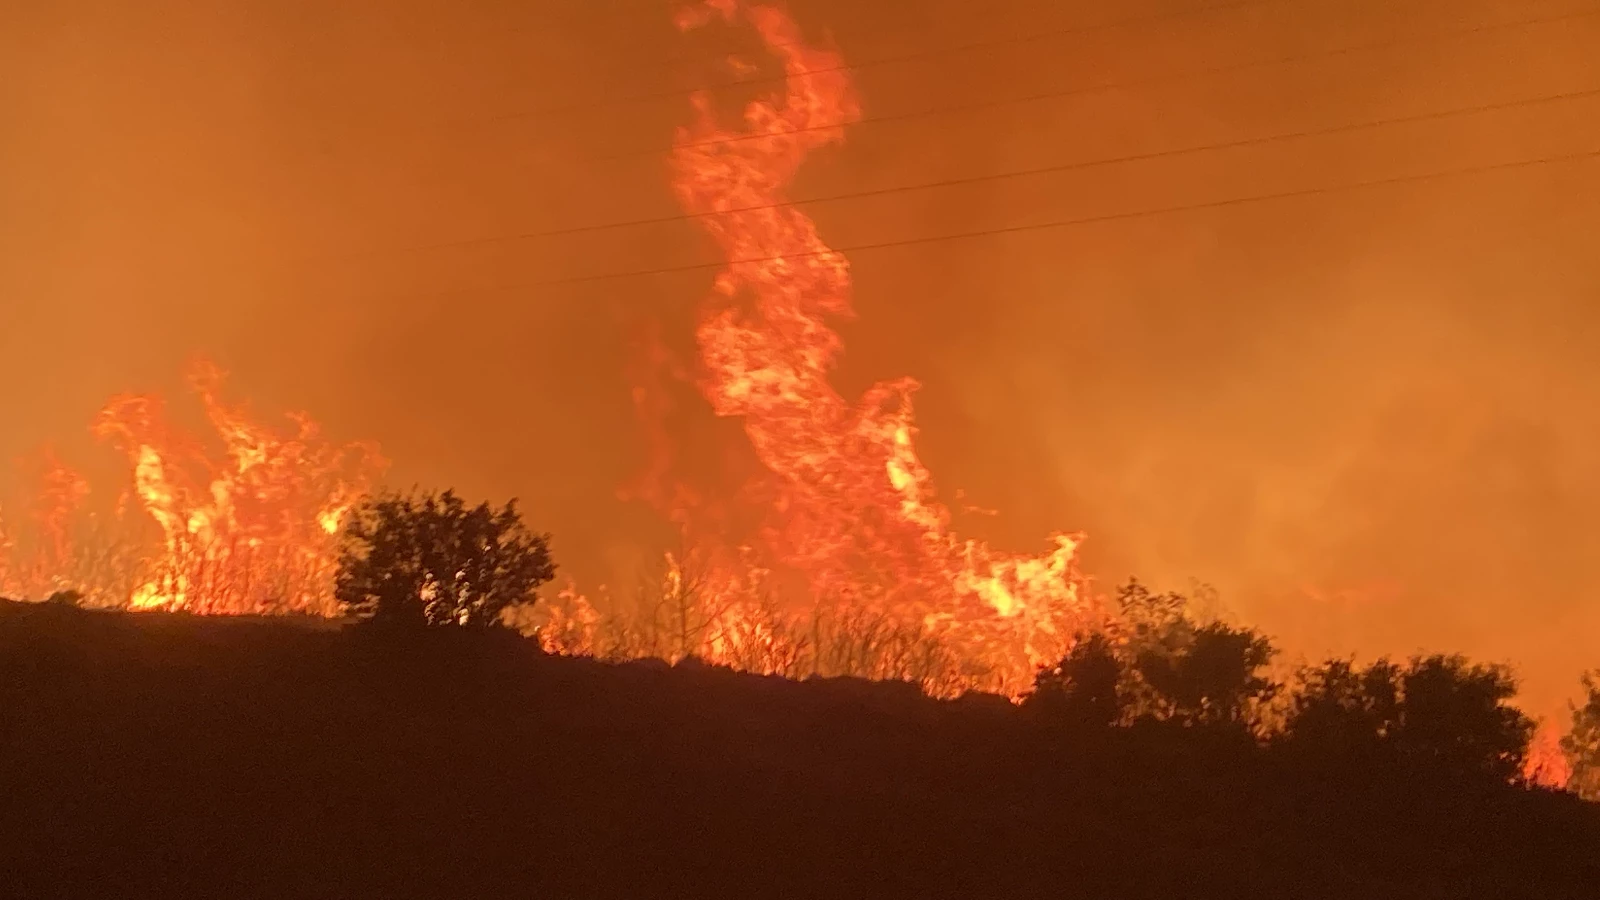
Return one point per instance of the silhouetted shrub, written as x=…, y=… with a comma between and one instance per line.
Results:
x=431, y=560
x=1441, y=711
x=1343, y=709
x=1456, y=715
x=1157, y=664
x=1215, y=678
x=1084, y=688
x=1193, y=673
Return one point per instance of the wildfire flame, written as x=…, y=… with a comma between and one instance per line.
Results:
x=42, y=568
x=1546, y=764
x=848, y=505
x=254, y=531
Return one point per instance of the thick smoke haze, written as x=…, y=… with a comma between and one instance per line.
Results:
x=1367, y=416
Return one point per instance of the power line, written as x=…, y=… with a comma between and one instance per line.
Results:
x=607, y=77
x=1038, y=226
x=891, y=60
x=1424, y=37
x=1435, y=115
x=1420, y=37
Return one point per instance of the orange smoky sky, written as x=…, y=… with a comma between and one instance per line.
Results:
x=1367, y=415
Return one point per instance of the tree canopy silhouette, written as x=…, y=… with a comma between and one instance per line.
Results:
x=1214, y=677
x=1195, y=673
x=1344, y=709
x=1457, y=715
x=1159, y=664
x=1437, y=709
x=1084, y=689
x=1582, y=745
x=427, y=559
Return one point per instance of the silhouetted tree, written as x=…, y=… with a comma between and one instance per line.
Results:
x=430, y=560
x=1214, y=678
x=1456, y=715
x=1152, y=621
x=1582, y=745
x=1084, y=687
x=1340, y=708
x=1440, y=710
x=1177, y=669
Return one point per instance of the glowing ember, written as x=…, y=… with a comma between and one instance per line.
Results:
x=254, y=532
x=849, y=507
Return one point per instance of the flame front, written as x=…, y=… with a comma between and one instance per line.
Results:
x=45, y=566
x=850, y=507
x=255, y=532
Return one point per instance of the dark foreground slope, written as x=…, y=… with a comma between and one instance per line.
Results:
x=170, y=757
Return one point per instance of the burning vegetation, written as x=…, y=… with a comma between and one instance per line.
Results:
x=842, y=506
x=252, y=529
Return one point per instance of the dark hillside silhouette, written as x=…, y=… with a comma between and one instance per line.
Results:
x=183, y=757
